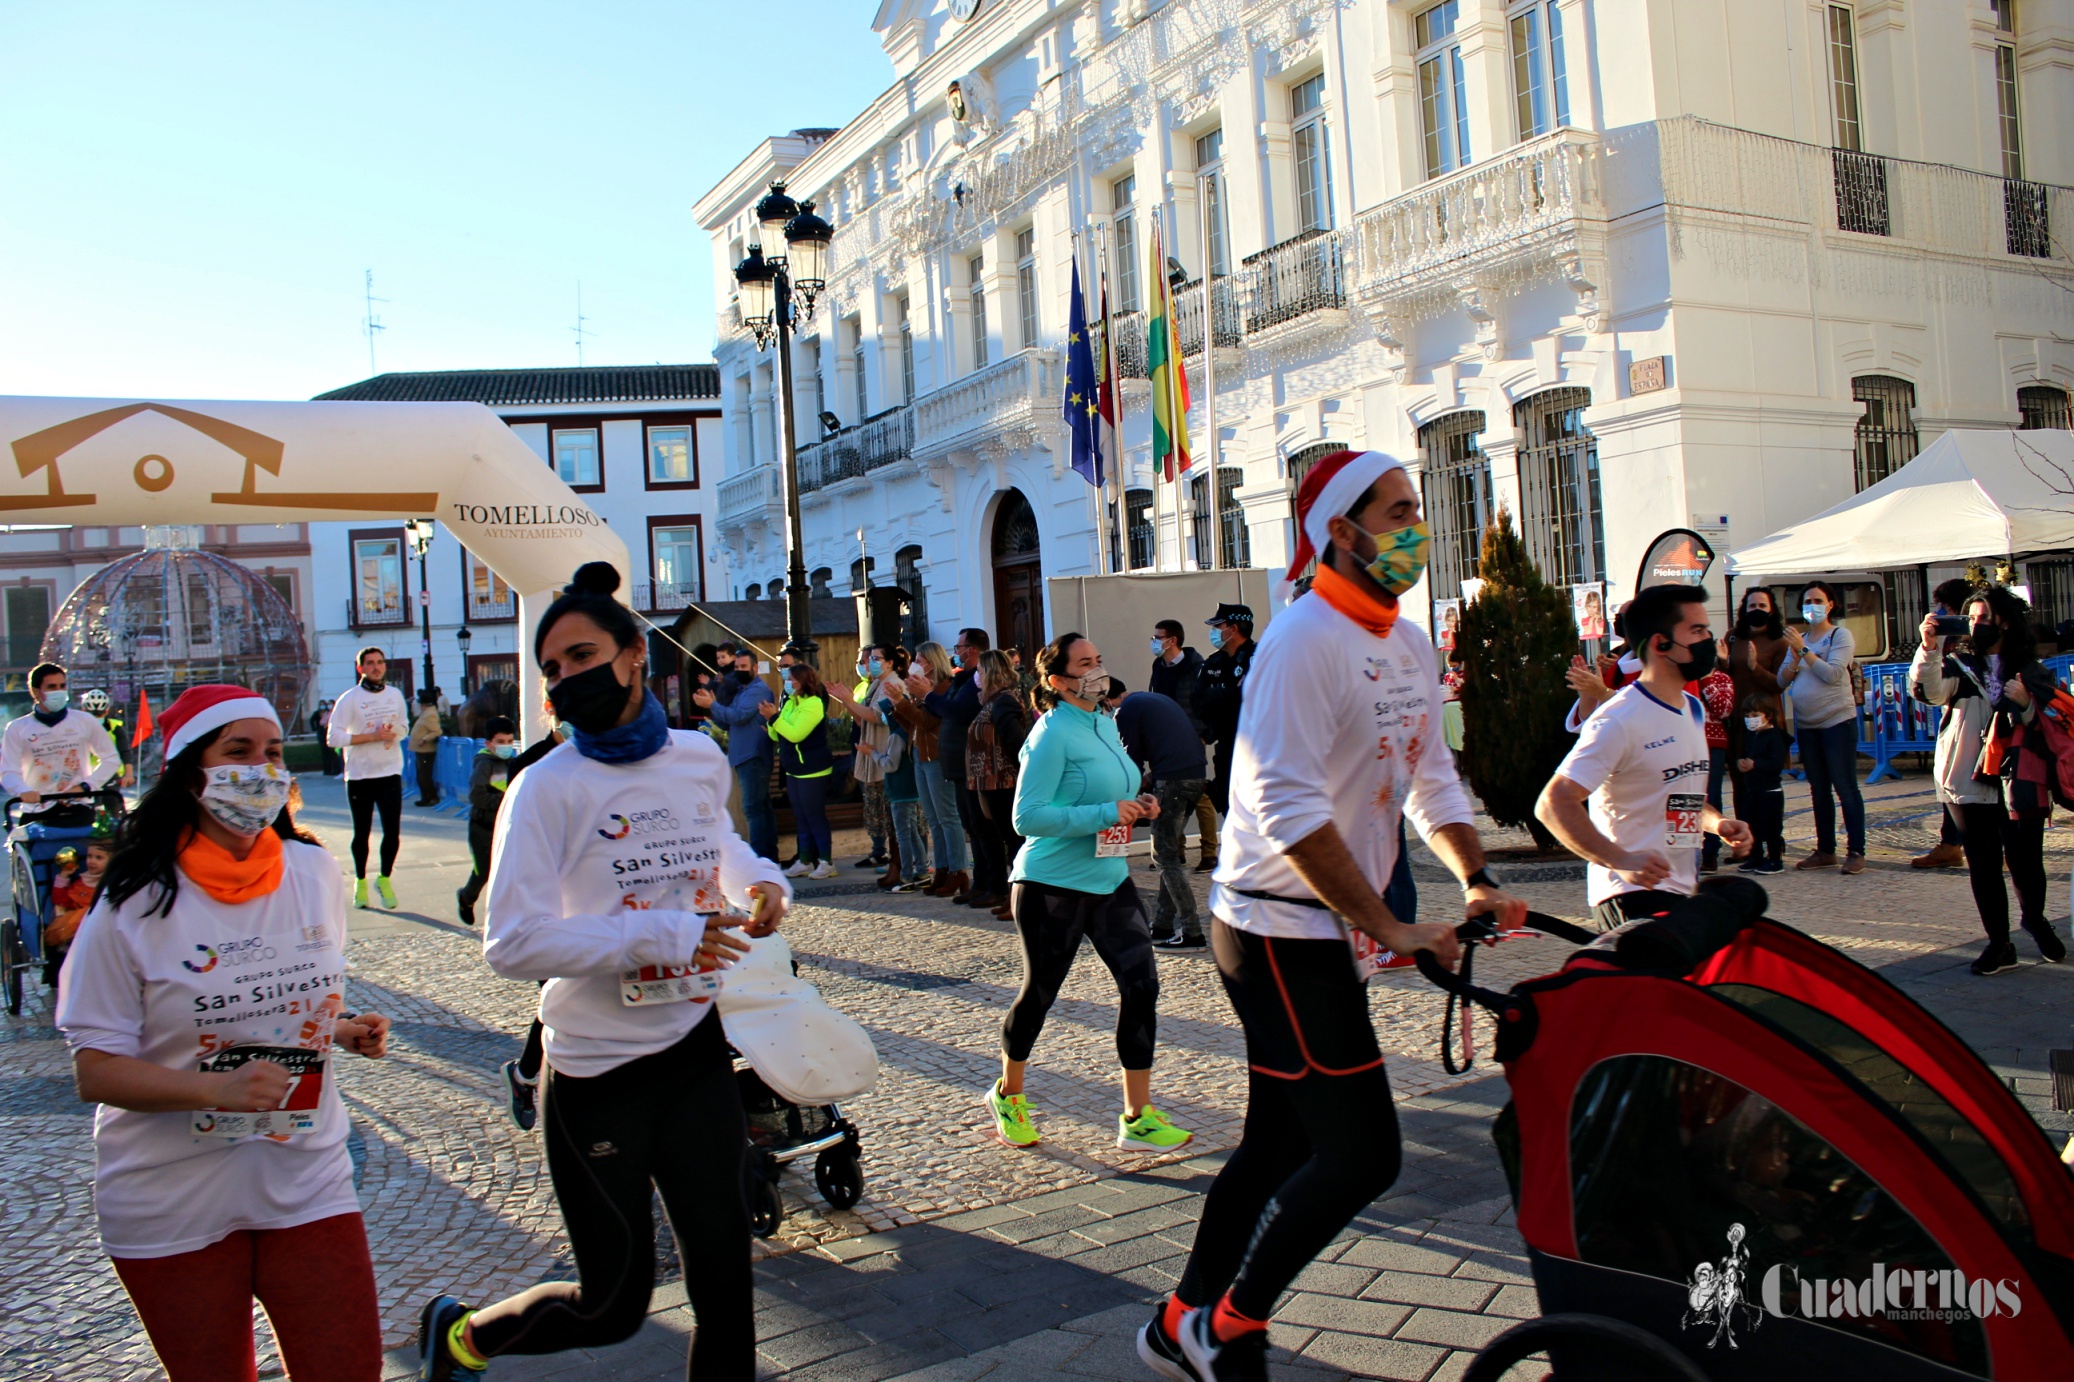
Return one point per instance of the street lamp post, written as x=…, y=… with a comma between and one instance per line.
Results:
x=464, y=636
x=420, y=531
x=767, y=287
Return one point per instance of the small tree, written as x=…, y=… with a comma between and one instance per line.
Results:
x=1516, y=641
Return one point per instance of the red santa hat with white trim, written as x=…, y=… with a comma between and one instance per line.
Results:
x=1327, y=492
x=203, y=708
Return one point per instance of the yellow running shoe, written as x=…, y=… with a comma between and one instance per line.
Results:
x=1150, y=1131
x=1011, y=1117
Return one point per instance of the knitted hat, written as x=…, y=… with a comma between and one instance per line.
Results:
x=203, y=708
x=1331, y=488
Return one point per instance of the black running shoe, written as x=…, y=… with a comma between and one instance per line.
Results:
x=1180, y=942
x=2050, y=946
x=524, y=1096
x=870, y=861
x=462, y=905
x=1999, y=956
x=1243, y=1359
x=436, y=1362
x=1161, y=1353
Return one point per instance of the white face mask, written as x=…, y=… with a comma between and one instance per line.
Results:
x=1754, y=722
x=246, y=797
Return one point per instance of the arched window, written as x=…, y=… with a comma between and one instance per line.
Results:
x=1886, y=436
x=1233, y=547
x=754, y=592
x=1561, y=521
x=817, y=584
x=775, y=590
x=1456, y=477
x=2043, y=406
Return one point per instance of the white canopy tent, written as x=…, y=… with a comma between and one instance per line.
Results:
x=1969, y=495
x=126, y=462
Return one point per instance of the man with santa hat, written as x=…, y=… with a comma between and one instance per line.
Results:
x=1340, y=736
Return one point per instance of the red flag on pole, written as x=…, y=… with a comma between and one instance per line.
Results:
x=143, y=720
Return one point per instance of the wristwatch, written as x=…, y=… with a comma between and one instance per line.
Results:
x=1480, y=879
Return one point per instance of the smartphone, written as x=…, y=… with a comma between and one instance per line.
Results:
x=1952, y=626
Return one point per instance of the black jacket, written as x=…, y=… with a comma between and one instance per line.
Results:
x=1766, y=750
x=1220, y=689
x=1160, y=738
x=486, y=783
x=1177, y=682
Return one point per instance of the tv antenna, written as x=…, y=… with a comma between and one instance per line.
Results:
x=579, y=330
x=369, y=323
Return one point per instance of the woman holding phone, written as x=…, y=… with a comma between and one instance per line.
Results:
x=1075, y=802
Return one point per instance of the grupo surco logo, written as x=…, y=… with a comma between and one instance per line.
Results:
x=1716, y=1295
x=619, y=825
x=206, y=965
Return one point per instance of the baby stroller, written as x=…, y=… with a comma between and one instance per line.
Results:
x=1735, y=1153
x=794, y=1058
x=33, y=844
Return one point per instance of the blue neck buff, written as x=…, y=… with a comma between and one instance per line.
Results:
x=630, y=742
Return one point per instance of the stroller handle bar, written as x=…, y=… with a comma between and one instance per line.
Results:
x=1482, y=929
x=109, y=796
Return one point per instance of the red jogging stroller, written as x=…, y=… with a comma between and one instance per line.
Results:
x=1736, y=1153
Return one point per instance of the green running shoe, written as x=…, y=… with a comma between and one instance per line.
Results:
x=360, y=892
x=1011, y=1117
x=1150, y=1131
x=381, y=885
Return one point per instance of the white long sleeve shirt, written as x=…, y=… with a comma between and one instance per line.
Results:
x=209, y=985
x=361, y=711
x=1341, y=728
x=48, y=759
x=601, y=878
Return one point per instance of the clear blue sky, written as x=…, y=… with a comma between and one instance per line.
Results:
x=190, y=192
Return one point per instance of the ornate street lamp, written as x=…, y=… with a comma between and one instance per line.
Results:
x=768, y=285
x=420, y=531
x=464, y=636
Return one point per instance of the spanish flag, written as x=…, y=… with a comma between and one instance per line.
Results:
x=1163, y=366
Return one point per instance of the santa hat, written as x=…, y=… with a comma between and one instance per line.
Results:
x=1331, y=488
x=203, y=708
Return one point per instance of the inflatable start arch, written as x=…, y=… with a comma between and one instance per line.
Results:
x=125, y=462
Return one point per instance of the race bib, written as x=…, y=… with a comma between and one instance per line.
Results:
x=651, y=986
x=1113, y=843
x=297, y=1112
x=1682, y=820
x=1371, y=956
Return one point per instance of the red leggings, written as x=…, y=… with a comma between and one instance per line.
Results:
x=315, y=1280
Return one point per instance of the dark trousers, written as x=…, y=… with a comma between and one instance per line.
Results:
x=428, y=784
x=1050, y=923
x=989, y=868
x=809, y=797
x=1830, y=758
x=480, y=835
x=670, y=1122
x=1948, y=829
x=1717, y=768
x=755, y=777
x=997, y=822
x=1220, y=778
x=1764, y=811
x=1622, y=908
x=366, y=796
x=1177, y=801
x=1992, y=837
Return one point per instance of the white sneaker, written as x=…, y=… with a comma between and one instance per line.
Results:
x=798, y=870
x=824, y=869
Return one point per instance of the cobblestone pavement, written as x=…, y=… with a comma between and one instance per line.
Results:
x=1077, y=1234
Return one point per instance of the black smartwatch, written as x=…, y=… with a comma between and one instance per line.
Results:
x=1480, y=879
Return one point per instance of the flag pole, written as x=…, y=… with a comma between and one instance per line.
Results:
x=1210, y=377
x=1098, y=248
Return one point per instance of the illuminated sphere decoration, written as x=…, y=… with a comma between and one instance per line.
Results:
x=173, y=616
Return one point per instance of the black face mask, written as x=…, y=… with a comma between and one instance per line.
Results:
x=1703, y=654
x=745, y=677
x=1985, y=638
x=372, y=685
x=591, y=700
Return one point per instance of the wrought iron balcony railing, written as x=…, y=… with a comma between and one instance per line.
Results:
x=1188, y=314
x=857, y=451
x=1294, y=279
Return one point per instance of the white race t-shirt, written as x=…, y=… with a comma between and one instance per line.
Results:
x=1338, y=727
x=183, y=990
x=49, y=759
x=601, y=876
x=361, y=711
x=1645, y=765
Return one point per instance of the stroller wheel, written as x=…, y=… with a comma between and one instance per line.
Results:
x=14, y=959
x=760, y=1189
x=839, y=1176
x=1602, y=1346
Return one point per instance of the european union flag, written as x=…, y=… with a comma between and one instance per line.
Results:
x=1081, y=405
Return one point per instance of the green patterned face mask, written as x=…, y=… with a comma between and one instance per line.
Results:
x=1400, y=556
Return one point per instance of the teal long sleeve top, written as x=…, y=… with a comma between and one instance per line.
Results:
x=1074, y=771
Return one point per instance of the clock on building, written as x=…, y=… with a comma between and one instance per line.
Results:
x=963, y=10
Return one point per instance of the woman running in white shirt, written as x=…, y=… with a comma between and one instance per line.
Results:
x=613, y=858
x=202, y=999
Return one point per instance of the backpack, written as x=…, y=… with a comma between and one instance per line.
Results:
x=2051, y=736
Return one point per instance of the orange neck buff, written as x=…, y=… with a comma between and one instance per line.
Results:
x=1372, y=609
x=227, y=878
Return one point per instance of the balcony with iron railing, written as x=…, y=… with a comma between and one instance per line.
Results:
x=1300, y=278
x=662, y=597
x=1013, y=402
x=1188, y=315
x=855, y=452
x=751, y=496
x=489, y=608
x=1128, y=332
x=363, y=615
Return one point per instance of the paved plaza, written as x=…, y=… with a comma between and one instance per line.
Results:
x=964, y=1259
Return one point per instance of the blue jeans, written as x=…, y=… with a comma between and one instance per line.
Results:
x=755, y=778
x=946, y=830
x=1830, y=758
x=809, y=796
x=913, y=834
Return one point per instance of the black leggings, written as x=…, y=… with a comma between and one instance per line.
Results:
x=1050, y=922
x=1764, y=811
x=1992, y=835
x=1321, y=1139
x=367, y=795
x=672, y=1120
x=480, y=838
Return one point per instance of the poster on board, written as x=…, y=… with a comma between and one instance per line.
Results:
x=1588, y=607
x=1447, y=623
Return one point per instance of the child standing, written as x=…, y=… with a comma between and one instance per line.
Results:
x=486, y=784
x=1762, y=764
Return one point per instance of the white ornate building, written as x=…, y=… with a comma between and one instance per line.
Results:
x=1617, y=265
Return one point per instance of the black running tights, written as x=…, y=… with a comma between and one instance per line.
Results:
x=1050, y=922
x=367, y=795
x=1993, y=836
x=672, y=1120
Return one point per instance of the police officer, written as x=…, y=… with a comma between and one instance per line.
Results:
x=1220, y=688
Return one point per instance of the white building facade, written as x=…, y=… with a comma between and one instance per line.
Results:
x=1618, y=266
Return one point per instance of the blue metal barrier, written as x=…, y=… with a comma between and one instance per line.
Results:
x=453, y=764
x=1892, y=722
